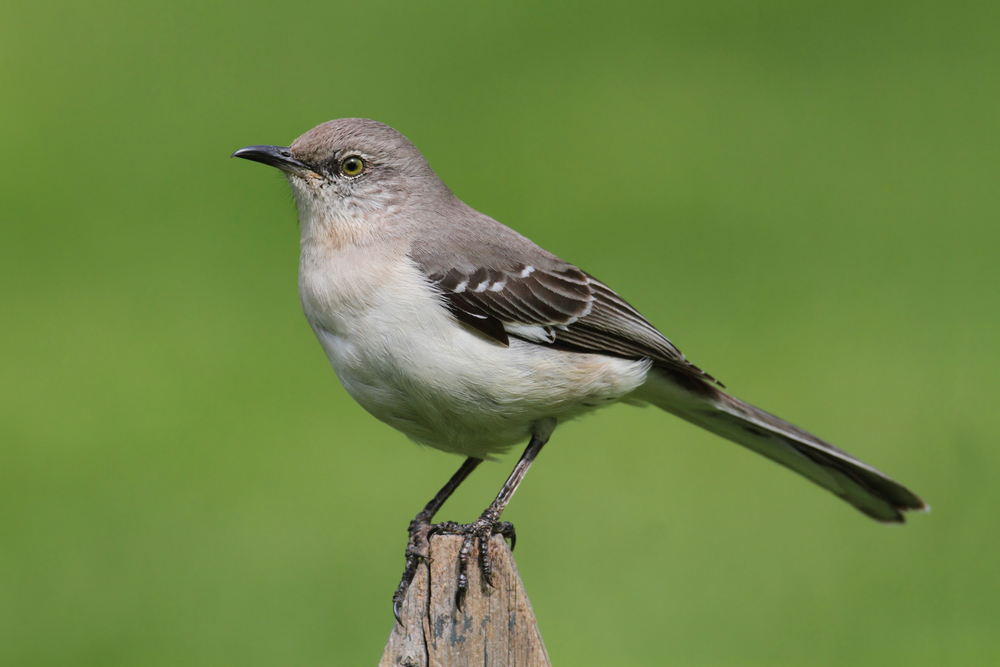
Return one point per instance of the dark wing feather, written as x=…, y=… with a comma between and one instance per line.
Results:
x=561, y=306
x=522, y=295
x=477, y=318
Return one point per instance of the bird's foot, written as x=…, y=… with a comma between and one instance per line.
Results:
x=417, y=550
x=476, y=533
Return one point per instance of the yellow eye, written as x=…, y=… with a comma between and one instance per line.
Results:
x=352, y=166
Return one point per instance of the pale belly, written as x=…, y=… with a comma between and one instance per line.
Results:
x=471, y=396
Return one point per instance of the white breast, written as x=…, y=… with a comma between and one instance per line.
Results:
x=405, y=359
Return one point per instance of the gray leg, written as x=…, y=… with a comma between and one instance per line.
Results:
x=488, y=524
x=420, y=529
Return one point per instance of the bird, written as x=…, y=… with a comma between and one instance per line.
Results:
x=468, y=337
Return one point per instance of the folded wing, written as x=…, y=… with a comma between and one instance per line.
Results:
x=516, y=289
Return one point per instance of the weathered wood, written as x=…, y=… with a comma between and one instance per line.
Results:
x=497, y=627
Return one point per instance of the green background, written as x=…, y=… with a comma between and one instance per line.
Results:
x=802, y=196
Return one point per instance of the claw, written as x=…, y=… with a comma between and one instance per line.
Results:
x=506, y=528
x=397, y=609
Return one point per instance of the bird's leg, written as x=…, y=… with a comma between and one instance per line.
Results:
x=488, y=524
x=420, y=530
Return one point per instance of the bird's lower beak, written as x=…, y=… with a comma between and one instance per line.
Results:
x=275, y=156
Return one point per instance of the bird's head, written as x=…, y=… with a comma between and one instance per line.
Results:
x=349, y=176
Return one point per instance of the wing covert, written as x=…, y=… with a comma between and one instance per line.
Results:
x=556, y=305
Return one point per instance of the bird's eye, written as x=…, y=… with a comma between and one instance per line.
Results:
x=352, y=166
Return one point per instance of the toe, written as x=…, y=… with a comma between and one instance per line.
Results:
x=485, y=560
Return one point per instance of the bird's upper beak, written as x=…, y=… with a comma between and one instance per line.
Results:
x=275, y=156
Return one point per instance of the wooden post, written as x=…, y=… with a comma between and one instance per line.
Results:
x=496, y=628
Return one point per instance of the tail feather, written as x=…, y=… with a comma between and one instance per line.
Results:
x=858, y=483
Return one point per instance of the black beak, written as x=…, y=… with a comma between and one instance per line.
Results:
x=275, y=156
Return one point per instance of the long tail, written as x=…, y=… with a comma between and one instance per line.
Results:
x=709, y=407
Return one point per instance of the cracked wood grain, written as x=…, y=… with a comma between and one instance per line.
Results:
x=497, y=627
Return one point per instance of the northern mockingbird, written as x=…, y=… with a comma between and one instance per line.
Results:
x=468, y=337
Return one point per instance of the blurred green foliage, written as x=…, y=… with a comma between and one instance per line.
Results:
x=803, y=196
